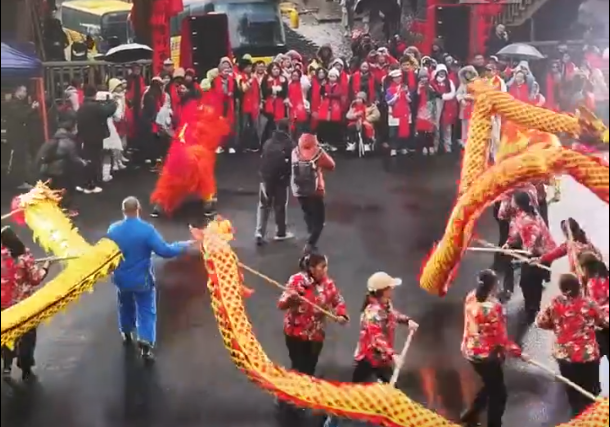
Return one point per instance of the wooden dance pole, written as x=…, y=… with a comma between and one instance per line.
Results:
x=401, y=362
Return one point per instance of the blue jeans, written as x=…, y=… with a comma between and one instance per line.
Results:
x=138, y=313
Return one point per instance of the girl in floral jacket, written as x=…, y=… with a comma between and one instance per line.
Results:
x=574, y=318
x=596, y=279
x=21, y=277
x=375, y=355
x=485, y=345
x=304, y=326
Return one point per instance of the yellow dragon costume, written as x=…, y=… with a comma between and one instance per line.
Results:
x=376, y=403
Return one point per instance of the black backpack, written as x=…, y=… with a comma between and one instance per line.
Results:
x=305, y=175
x=275, y=161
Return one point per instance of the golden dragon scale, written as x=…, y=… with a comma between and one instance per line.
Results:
x=56, y=234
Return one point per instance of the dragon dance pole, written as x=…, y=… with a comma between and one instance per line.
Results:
x=401, y=362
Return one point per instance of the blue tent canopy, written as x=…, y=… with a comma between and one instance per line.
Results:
x=16, y=64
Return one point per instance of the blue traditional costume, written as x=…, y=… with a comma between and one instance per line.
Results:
x=135, y=280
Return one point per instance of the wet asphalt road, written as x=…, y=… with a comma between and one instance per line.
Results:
x=381, y=216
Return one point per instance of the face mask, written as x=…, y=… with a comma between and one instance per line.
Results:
x=441, y=78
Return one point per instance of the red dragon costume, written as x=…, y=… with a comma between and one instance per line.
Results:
x=189, y=165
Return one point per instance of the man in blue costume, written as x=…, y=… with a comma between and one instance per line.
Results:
x=134, y=277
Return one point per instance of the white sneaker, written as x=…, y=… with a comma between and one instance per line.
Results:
x=115, y=168
x=404, y=152
x=393, y=153
x=96, y=190
x=425, y=151
x=281, y=238
x=220, y=150
x=122, y=166
x=332, y=148
x=107, y=178
x=79, y=189
x=367, y=148
x=87, y=191
x=351, y=147
x=232, y=151
x=124, y=160
x=148, y=161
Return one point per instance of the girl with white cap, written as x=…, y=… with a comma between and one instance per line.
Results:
x=375, y=355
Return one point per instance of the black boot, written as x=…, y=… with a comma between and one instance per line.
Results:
x=209, y=208
x=127, y=338
x=156, y=212
x=147, y=353
x=470, y=418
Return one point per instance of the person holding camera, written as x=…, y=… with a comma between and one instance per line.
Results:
x=498, y=40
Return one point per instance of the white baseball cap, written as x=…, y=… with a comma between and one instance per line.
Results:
x=381, y=280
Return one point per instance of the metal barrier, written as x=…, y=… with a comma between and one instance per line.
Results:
x=59, y=74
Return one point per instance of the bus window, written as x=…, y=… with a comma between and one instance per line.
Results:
x=115, y=24
x=253, y=24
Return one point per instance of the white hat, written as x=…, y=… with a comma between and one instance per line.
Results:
x=334, y=73
x=380, y=280
x=168, y=61
x=395, y=73
x=113, y=84
x=438, y=69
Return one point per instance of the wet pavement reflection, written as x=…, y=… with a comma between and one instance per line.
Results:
x=381, y=216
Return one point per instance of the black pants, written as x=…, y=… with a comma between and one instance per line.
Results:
x=272, y=196
x=365, y=372
x=248, y=136
x=63, y=182
x=314, y=213
x=543, y=209
x=93, y=152
x=424, y=140
x=504, y=263
x=531, y=281
x=602, y=341
x=270, y=126
x=303, y=354
x=23, y=351
x=492, y=395
x=585, y=375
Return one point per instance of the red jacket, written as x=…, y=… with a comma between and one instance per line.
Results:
x=301, y=320
x=356, y=86
x=331, y=104
x=21, y=277
x=225, y=92
x=378, y=324
x=251, y=100
x=296, y=109
x=273, y=104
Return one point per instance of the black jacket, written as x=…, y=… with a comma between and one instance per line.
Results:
x=275, y=159
x=59, y=156
x=92, y=119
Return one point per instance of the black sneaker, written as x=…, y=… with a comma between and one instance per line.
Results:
x=27, y=375
x=309, y=249
x=127, y=338
x=260, y=241
x=147, y=353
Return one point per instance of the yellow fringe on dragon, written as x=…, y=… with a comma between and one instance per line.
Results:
x=54, y=232
x=380, y=404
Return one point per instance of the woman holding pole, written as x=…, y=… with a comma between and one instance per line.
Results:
x=21, y=277
x=375, y=356
x=310, y=296
x=596, y=278
x=485, y=345
x=574, y=319
x=528, y=231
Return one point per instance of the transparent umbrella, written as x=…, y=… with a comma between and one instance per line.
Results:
x=520, y=51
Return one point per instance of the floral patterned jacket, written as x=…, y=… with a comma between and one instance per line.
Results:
x=20, y=277
x=301, y=320
x=485, y=330
x=378, y=324
x=508, y=209
x=597, y=290
x=562, y=250
x=531, y=233
x=574, y=321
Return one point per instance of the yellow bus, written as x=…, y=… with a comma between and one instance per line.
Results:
x=255, y=27
x=101, y=19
